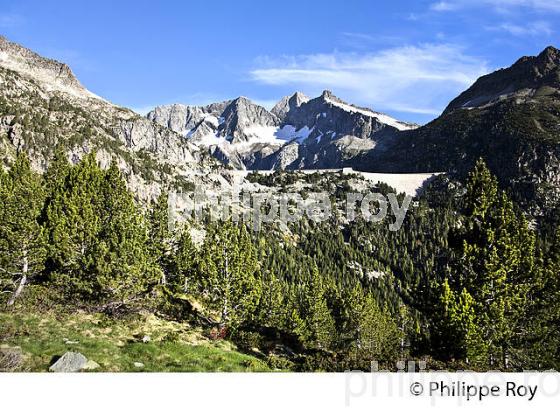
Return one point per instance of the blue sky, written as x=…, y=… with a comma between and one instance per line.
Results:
x=406, y=58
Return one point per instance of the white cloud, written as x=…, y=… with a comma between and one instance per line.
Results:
x=539, y=5
x=416, y=79
x=444, y=6
x=537, y=28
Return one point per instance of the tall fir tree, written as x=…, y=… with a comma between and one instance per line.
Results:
x=496, y=266
x=456, y=334
x=125, y=269
x=184, y=264
x=73, y=222
x=315, y=312
x=369, y=332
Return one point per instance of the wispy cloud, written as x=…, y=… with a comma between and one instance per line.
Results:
x=10, y=20
x=416, y=79
x=501, y=5
x=445, y=5
x=537, y=28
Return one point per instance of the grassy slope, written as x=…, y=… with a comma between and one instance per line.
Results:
x=117, y=344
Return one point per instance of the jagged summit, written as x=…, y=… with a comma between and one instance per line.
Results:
x=550, y=53
x=287, y=103
x=299, y=96
x=52, y=74
x=528, y=78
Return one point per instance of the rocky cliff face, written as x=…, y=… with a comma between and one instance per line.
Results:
x=324, y=132
x=51, y=74
x=289, y=103
x=43, y=105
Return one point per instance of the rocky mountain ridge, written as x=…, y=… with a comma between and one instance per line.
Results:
x=44, y=106
x=510, y=118
x=298, y=132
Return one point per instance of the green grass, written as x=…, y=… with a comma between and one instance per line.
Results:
x=117, y=344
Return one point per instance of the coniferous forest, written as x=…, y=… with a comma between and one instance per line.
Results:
x=466, y=283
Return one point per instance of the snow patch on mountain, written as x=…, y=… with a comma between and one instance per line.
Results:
x=383, y=118
x=258, y=135
x=290, y=133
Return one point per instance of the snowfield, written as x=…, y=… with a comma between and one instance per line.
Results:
x=410, y=184
x=383, y=118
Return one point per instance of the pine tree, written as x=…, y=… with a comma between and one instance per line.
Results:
x=184, y=264
x=98, y=237
x=540, y=342
x=496, y=263
x=372, y=334
x=227, y=277
x=22, y=240
x=124, y=269
x=319, y=322
x=456, y=333
x=380, y=333
x=57, y=172
x=272, y=307
x=74, y=224
x=160, y=239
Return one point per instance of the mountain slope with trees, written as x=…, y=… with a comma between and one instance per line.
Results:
x=511, y=118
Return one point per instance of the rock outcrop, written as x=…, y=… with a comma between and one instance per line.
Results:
x=69, y=362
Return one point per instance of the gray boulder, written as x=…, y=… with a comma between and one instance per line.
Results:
x=69, y=362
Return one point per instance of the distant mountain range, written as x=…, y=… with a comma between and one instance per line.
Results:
x=299, y=132
x=511, y=118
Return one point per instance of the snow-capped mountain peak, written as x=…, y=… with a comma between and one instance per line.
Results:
x=248, y=135
x=383, y=118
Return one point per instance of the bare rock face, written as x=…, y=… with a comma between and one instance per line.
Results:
x=241, y=117
x=52, y=74
x=289, y=103
x=185, y=118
